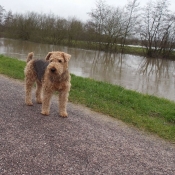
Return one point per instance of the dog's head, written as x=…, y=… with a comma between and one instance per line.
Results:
x=58, y=62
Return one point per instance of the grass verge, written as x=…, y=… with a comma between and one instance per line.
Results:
x=148, y=113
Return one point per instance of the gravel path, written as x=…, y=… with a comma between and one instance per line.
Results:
x=85, y=143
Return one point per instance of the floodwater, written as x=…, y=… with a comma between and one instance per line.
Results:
x=148, y=76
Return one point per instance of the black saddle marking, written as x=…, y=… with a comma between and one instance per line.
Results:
x=40, y=67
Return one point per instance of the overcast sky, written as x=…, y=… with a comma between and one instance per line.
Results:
x=64, y=8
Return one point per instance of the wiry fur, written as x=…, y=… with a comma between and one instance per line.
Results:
x=50, y=75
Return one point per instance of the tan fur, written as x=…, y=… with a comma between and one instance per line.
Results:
x=56, y=78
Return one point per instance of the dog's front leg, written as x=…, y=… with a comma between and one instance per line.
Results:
x=46, y=102
x=63, y=98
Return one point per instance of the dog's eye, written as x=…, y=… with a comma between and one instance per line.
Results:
x=51, y=60
x=60, y=61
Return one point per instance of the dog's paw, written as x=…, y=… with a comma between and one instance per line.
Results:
x=63, y=114
x=29, y=103
x=39, y=101
x=44, y=113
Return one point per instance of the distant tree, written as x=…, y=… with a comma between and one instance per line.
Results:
x=113, y=28
x=98, y=16
x=2, y=11
x=90, y=31
x=8, y=17
x=59, y=32
x=157, y=29
x=166, y=42
x=107, y=24
x=114, y=25
x=74, y=30
x=130, y=21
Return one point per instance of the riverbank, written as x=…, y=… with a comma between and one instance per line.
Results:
x=146, y=112
x=116, y=48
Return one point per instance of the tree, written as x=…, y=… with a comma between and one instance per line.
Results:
x=113, y=28
x=8, y=17
x=107, y=25
x=98, y=16
x=74, y=30
x=2, y=11
x=130, y=21
x=157, y=29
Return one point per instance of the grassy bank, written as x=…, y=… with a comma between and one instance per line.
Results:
x=146, y=112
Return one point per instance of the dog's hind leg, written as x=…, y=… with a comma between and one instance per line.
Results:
x=28, y=91
x=38, y=92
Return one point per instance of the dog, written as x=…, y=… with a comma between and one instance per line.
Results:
x=50, y=75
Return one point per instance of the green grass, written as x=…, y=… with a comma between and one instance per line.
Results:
x=12, y=67
x=146, y=112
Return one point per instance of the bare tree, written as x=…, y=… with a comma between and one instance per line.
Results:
x=98, y=16
x=130, y=21
x=2, y=11
x=113, y=28
x=157, y=32
x=166, y=42
x=74, y=30
x=8, y=17
x=107, y=24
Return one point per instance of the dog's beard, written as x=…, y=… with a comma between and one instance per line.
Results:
x=64, y=76
x=55, y=77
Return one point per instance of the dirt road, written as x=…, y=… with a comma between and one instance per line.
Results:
x=85, y=143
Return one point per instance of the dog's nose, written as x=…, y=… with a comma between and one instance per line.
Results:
x=53, y=69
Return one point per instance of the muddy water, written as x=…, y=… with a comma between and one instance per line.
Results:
x=148, y=76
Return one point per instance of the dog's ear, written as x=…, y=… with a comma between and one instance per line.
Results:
x=66, y=56
x=48, y=56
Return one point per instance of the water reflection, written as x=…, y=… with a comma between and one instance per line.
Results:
x=150, y=76
x=156, y=77
x=19, y=49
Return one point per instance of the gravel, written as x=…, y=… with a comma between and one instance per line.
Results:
x=85, y=143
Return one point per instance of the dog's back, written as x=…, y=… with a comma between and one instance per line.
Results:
x=40, y=67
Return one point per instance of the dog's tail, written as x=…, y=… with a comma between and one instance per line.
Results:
x=30, y=56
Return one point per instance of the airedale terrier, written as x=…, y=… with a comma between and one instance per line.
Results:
x=50, y=75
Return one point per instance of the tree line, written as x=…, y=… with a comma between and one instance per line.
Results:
x=108, y=28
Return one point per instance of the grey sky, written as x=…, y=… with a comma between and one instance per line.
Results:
x=63, y=8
